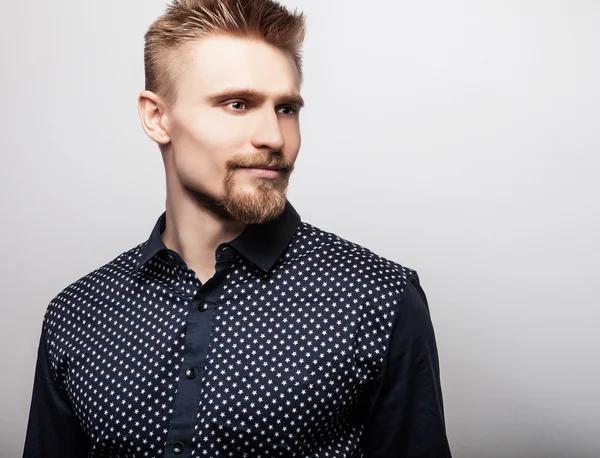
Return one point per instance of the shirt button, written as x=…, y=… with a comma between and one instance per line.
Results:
x=191, y=372
x=202, y=306
x=178, y=447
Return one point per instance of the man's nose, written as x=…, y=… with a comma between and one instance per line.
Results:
x=268, y=131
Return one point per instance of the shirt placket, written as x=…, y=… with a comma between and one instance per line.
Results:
x=201, y=306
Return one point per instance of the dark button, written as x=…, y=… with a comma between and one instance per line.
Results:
x=178, y=447
x=191, y=372
x=202, y=306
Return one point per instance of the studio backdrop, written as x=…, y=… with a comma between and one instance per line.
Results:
x=460, y=139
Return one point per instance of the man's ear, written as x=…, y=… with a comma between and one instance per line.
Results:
x=153, y=115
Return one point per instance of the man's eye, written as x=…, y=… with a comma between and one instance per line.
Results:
x=288, y=110
x=237, y=105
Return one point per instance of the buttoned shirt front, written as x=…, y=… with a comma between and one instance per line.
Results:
x=302, y=344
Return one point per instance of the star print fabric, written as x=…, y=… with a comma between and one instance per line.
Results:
x=303, y=344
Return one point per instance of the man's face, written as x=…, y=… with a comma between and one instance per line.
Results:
x=236, y=114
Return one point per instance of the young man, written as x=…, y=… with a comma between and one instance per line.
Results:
x=236, y=329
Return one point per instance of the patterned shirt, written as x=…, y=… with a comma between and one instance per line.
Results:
x=302, y=344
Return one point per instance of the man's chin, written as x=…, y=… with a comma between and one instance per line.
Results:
x=256, y=209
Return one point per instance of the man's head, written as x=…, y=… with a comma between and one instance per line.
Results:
x=222, y=96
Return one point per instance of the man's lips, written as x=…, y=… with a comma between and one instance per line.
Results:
x=262, y=171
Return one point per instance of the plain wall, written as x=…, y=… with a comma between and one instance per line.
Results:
x=461, y=139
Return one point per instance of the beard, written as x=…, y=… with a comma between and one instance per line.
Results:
x=260, y=199
x=265, y=202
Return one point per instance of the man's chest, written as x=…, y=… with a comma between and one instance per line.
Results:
x=253, y=374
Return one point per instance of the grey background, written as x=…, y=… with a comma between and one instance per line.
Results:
x=458, y=138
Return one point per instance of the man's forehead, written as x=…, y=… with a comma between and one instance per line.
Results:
x=219, y=63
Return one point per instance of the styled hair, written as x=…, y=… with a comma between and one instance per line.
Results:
x=185, y=21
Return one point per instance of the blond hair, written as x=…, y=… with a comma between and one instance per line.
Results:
x=185, y=21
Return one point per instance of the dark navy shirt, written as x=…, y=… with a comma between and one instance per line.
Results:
x=302, y=344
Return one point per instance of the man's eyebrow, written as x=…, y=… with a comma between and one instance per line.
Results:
x=234, y=93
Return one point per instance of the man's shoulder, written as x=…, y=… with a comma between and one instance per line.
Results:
x=91, y=287
x=336, y=253
x=369, y=288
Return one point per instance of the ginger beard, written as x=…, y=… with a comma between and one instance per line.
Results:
x=256, y=200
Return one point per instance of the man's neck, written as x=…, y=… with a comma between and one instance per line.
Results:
x=195, y=233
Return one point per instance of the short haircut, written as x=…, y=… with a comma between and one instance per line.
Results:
x=185, y=21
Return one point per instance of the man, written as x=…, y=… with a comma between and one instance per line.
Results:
x=236, y=329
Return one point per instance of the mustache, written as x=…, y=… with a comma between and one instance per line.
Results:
x=261, y=160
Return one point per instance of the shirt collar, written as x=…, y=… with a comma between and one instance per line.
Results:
x=261, y=244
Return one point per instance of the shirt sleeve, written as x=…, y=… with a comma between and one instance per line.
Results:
x=53, y=430
x=405, y=414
